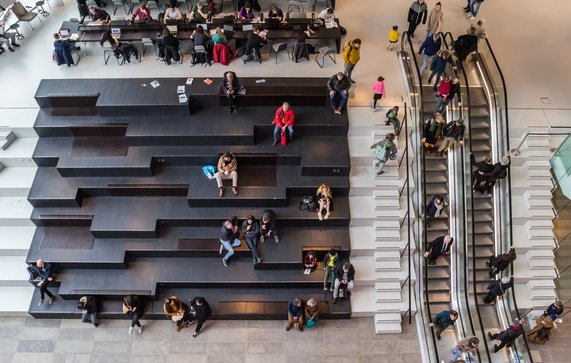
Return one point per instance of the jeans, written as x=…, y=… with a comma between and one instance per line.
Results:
x=396, y=123
x=474, y=7
x=336, y=288
x=329, y=278
x=278, y=132
x=349, y=69
x=232, y=101
x=380, y=165
x=89, y=318
x=251, y=242
x=228, y=247
x=438, y=74
x=441, y=105
x=456, y=353
x=135, y=319
x=426, y=59
x=343, y=94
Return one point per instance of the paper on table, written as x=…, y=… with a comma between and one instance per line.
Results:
x=208, y=81
x=155, y=83
x=331, y=24
x=182, y=98
x=189, y=80
x=180, y=89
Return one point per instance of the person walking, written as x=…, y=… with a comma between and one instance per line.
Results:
x=508, y=336
x=498, y=288
x=499, y=263
x=251, y=231
x=416, y=15
x=383, y=151
x=473, y=8
x=435, y=20
x=429, y=47
x=393, y=37
x=442, y=320
x=378, y=91
x=351, y=56
x=199, y=312
x=466, y=345
x=134, y=307
x=229, y=234
x=438, y=66
x=452, y=132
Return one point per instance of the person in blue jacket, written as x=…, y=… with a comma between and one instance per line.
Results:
x=430, y=47
x=438, y=66
x=295, y=314
x=442, y=320
x=62, y=51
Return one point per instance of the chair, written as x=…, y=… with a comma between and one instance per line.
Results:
x=24, y=15
x=295, y=6
x=15, y=27
x=148, y=42
x=299, y=51
x=108, y=52
x=117, y=3
x=279, y=47
x=184, y=1
x=152, y=4
x=40, y=6
x=199, y=56
x=132, y=4
x=323, y=52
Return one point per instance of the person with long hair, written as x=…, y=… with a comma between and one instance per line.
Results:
x=324, y=197
x=134, y=307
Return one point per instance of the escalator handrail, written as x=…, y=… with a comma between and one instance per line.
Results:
x=509, y=184
x=406, y=36
x=468, y=104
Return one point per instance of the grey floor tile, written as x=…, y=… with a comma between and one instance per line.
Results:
x=225, y=359
x=112, y=347
x=74, y=346
x=383, y=358
x=8, y=345
x=179, y=358
x=39, y=333
x=186, y=347
x=303, y=347
x=343, y=358
x=42, y=323
x=342, y=347
x=32, y=357
x=228, y=335
x=226, y=348
x=265, y=348
x=149, y=348
x=36, y=346
x=78, y=333
x=10, y=332
x=267, y=335
x=373, y=347
x=116, y=335
x=265, y=358
x=109, y=358
x=155, y=358
x=6, y=357
x=305, y=358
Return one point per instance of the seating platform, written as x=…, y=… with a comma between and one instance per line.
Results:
x=122, y=205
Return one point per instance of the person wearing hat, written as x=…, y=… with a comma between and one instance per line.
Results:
x=555, y=309
x=442, y=320
x=508, y=336
x=498, y=288
x=452, y=132
x=438, y=247
x=384, y=150
x=465, y=345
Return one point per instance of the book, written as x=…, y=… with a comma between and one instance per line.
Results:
x=180, y=89
x=182, y=98
x=189, y=80
x=208, y=81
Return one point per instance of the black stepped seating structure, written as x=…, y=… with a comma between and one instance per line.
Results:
x=122, y=205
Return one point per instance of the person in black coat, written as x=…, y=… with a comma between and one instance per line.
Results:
x=435, y=206
x=499, y=171
x=466, y=44
x=269, y=226
x=134, y=307
x=89, y=310
x=254, y=43
x=440, y=246
x=501, y=262
x=168, y=47
x=344, y=274
x=199, y=312
x=483, y=167
x=416, y=14
x=508, y=336
x=498, y=288
x=231, y=86
x=41, y=275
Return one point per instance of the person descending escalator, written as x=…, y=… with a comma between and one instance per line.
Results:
x=508, y=336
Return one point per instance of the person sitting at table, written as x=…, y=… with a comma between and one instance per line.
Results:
x=118, y=48
x=255, y=4
x=168, y=47
x=199, y=37
x=328, y=15
x=199, y=13
x=254, y=43
x=246, y=12
x=276, y=13
x=62, y=51
x=218, y=37
x=99, y=15
x=142, y=12
x=172, y=13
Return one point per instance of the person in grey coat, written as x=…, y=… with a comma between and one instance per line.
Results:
x=251, y=230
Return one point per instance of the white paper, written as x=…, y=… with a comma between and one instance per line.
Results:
x=189, y=80
x=260, y=81
x=155, y=83
x=331, y=24
x=182, y=98
x=180, y=89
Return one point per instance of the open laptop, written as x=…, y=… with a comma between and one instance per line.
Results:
x=247, y=27
x=64, y=33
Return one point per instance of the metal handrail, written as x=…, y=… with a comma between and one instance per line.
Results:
x=515, y=151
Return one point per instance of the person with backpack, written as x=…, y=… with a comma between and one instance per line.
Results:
x=498, y=288
x=251, y=231
x=329, y=261
x=283, y=121
x=89, y=310
x=542, y=330
x=508, y=336
x=452, y=132
x=416, y=14
x=351, y=56
x=392, y=118
x=499, y=263
x=269, y=226
x=344, y=275
x=383, y=151
x=442, y=320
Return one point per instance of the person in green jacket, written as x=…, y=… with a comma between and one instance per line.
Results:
x=351, y=56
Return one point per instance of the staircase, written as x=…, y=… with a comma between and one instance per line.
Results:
x=378, y=231
x=533, y=215
x=17, y=170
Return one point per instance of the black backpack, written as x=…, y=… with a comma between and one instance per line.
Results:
x=308, y=203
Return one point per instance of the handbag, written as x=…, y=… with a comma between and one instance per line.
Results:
x=242, y=91
x=125, y=309
x=310, y=323
x=177, y=316
x=284, y=137
x=209, y=171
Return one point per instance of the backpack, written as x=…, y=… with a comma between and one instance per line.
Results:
x=308, y=203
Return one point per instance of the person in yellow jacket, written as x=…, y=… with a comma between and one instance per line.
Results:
x=351, y=56
x=393, y=37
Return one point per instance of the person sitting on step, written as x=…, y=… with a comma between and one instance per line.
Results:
x=283, y=121
x=227, y=169
x=324, y=196
x=344, y=274
x=309, y=262
x=269, y=226
x=295, y=314
x=229, y=238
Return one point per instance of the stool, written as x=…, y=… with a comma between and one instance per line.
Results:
x=325, y=51
x=15, y=27
x=279, y=47
x=40, y=7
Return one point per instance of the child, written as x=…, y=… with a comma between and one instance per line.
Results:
x=392, y=119
x=393, y=37
x=379, y=90
x=309, y=262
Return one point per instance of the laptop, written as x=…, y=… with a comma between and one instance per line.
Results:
x=247, y=27
x=116, y=32
x=64, y=33
x=173, y=29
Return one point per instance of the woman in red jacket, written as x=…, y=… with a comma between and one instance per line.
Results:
x=283, y=120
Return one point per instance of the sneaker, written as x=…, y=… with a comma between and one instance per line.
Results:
x=178, y=328
x=275, y=143
x=490, y=336
x=334, y=301
x=96, y=324
x=235, y=190
x=262, y=239
x=140, y=330
x=221, y=249
x=438, y=337
x=130, y=330
x=320, y=217
x=194, y=334
x=288, y=327
x=41, y=302
x=331, y=289
x=326, y=216
x=338, y=111
x=260, y=260
x=235, y=110
x=277, y=239
x=325, y=288
x=300, y=327
x=221, y=192
x=471, y=17
x=224, y=262
x=51, y=300
x=380, y=172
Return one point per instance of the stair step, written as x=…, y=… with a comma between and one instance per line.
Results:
x=538, y=203
x=538, y=194
x=6, y=137
x=15, y=211
x=538, y=223
x=539, y=254
x=387, y=265
x=389, y=296
x=387, y=286
x=15, y=300
x=13, y=271
x=16, y=181
x=539, y=264
x=388, y=318
x=540, y=284
x=387, y=256
x=389, y=204
x=386, y=194
x=19, y=153
x=388, y=328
